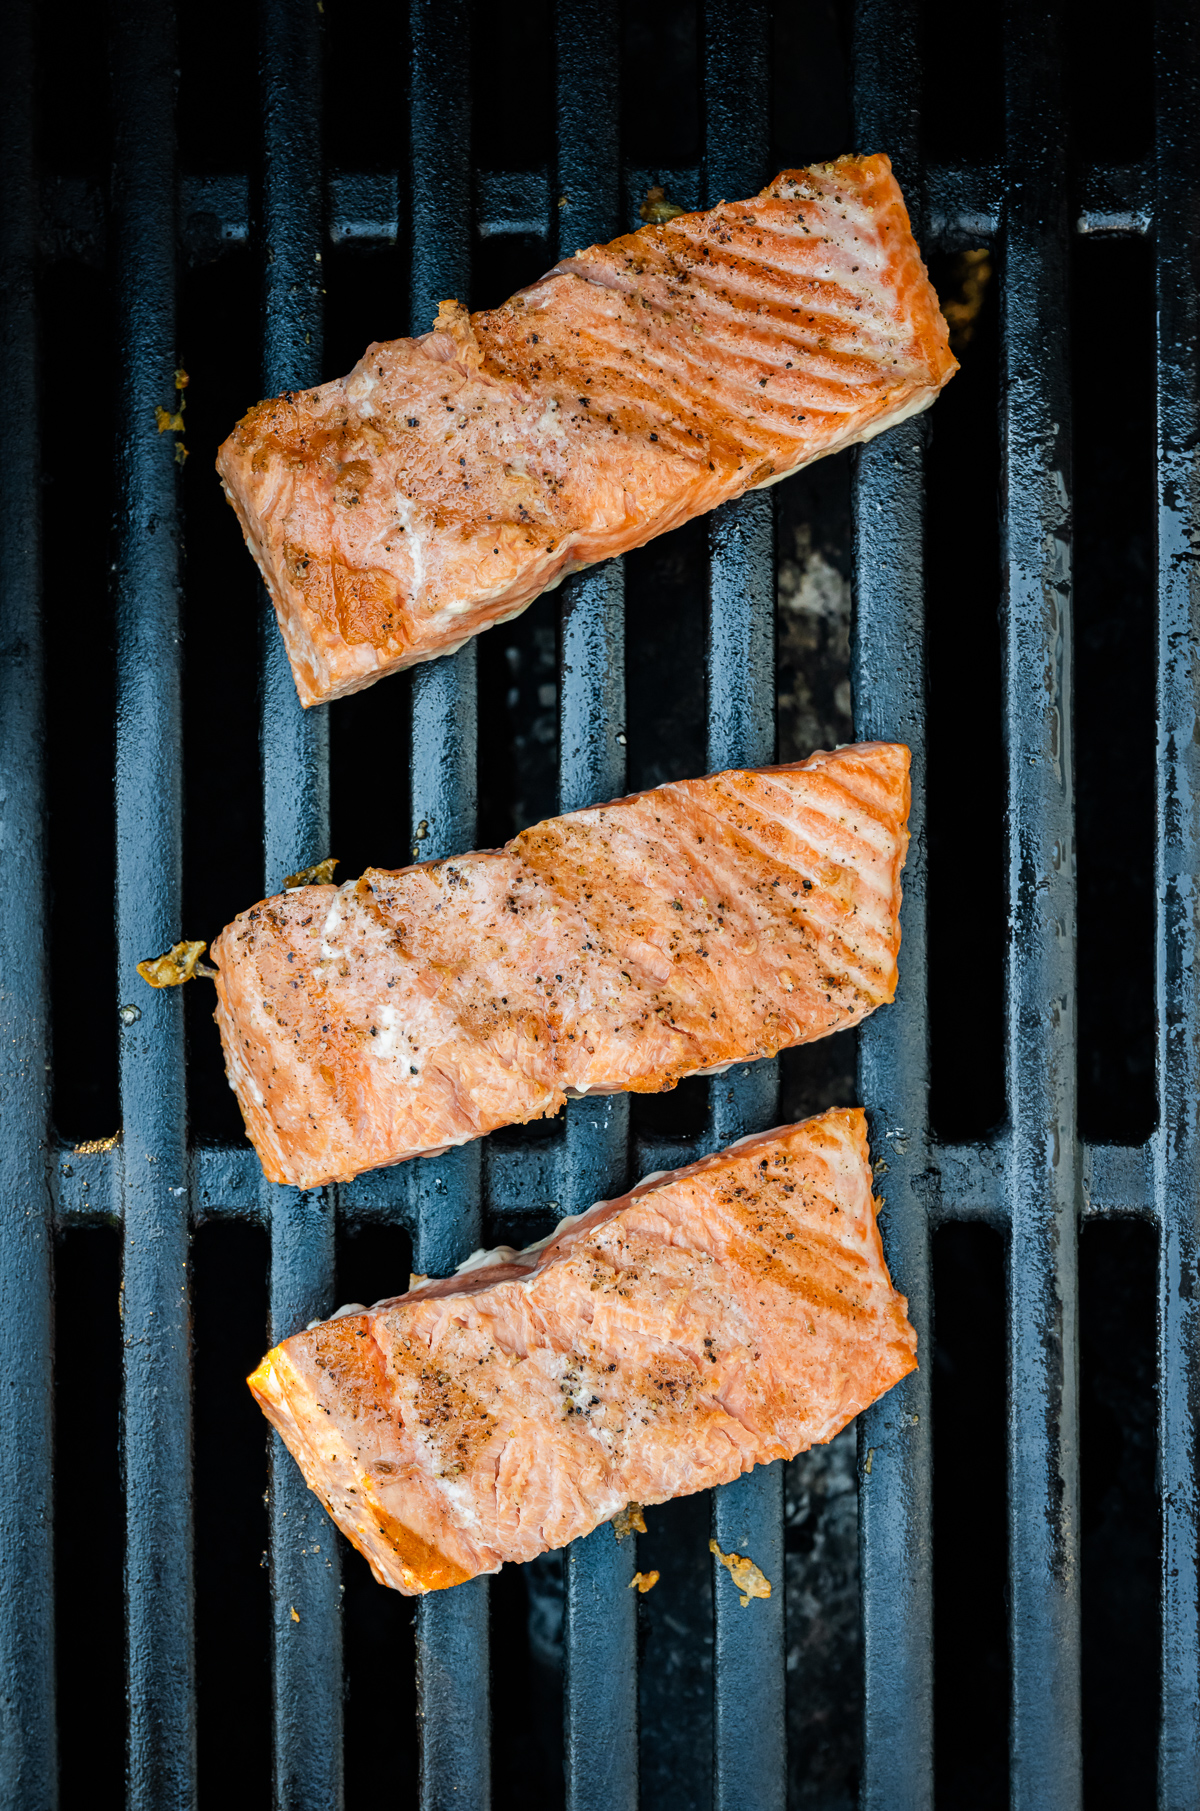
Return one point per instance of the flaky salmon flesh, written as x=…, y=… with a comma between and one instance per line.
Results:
x=618, y=948
x=714, y=1319
x=449, y=479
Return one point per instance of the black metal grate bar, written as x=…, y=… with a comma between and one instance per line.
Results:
x=962, y=206
x=28, y=1774
x=1043, y=1159
x=888, y=662
x=445, y=1192
x=1176, y=1145
x=306, y=1635
x=600, y=1611
x=748, y=1721
x=155, y=1317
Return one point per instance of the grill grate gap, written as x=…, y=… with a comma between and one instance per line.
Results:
x=1114, y=686
x=962, y=97
x=660, y=85
x=233, y=1598
x=824, y=1661
x=675, y=1648
x=810, y=95
x=1121, y=1539
x=80, y=693
x=88, y=1543
x=969, y=1508
x=217, y=75
x=966, y=731
x=527, y=1685
x=1110, y=65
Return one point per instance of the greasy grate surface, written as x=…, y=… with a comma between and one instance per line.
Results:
x=252, y=195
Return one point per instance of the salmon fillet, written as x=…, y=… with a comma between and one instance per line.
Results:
x=451, y=478
x=713, y=1319
x=618, y=948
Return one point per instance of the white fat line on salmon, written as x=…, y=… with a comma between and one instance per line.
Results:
x=528, y=1254
x=407, y=518
x=239, y=1065
x=359, y=389
x=333, y=921
x=385, y=1042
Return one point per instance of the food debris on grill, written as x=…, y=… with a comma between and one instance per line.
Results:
x=713, y=1319
x=657, y=210
x=180, y=964
x=449, y=479
x=93, y=1146
x=645, y=1581
x=748, y=1580
x=629, y=1520
x=622, y=947
x=319, y=875
x=171, y=421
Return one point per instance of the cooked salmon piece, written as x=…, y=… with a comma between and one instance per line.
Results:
x=449, y=479
x=622, y=947
x=713, y=1319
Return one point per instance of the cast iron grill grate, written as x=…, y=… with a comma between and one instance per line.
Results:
x=440, y=212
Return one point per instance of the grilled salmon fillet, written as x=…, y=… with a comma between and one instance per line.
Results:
x=449, y=479
x=713, y=1319
x=621, y=947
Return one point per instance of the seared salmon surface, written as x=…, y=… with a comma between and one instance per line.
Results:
x=713, y=1319
x=451, y=478
x=621, y=947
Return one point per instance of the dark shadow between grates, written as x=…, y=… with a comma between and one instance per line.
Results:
x=970, y=1545
x=233, y=1606
x=966, y=821
x=80, y=695
x=1121, y=1540
x=90, y=1520
x=1114, y=692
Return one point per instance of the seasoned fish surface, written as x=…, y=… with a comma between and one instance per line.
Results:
x=713, y=1319
x=617, y=948
x=449, y=479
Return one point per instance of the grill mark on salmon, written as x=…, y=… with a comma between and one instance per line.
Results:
x=449, y=479
x=621, y=947
x=711, y=1320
